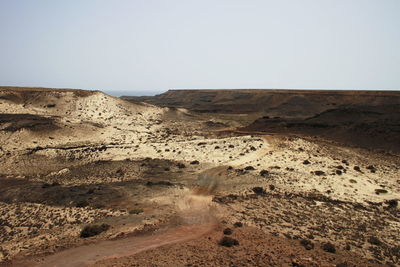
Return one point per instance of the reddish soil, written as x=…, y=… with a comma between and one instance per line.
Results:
x=255, y=248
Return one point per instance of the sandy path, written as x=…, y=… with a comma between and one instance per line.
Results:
x=90, y=254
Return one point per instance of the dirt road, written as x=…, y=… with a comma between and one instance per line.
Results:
x=90, y=254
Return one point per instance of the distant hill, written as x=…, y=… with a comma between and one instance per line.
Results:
x=282, y=103
x=368, y=119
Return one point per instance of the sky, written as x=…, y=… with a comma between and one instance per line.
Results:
x=150, y=46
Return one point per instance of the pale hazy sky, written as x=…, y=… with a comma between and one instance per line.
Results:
x=154, y=45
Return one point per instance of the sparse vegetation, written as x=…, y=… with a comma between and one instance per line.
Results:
x=307, y=244
x=264, y=173
x=82, y=203
x=228, y=231
x=136, y=211
x=380, y=191
x=93, y=230
x=258, y=190
x=107, y=160
x=238, y=224
x=181, y=165
x=227, y=241
x=328, y=247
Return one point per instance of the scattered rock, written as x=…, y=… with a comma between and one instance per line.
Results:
x=306, y=162
x=264, y=173
x=195, y=162
x=319, y=173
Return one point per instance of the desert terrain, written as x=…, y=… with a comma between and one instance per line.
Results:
x=199, y=178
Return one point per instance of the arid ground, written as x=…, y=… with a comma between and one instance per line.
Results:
x=199, y=178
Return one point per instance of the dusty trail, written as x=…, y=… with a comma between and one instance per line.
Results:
x=90, y=254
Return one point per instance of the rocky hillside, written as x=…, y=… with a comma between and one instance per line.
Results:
x=32, y=117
